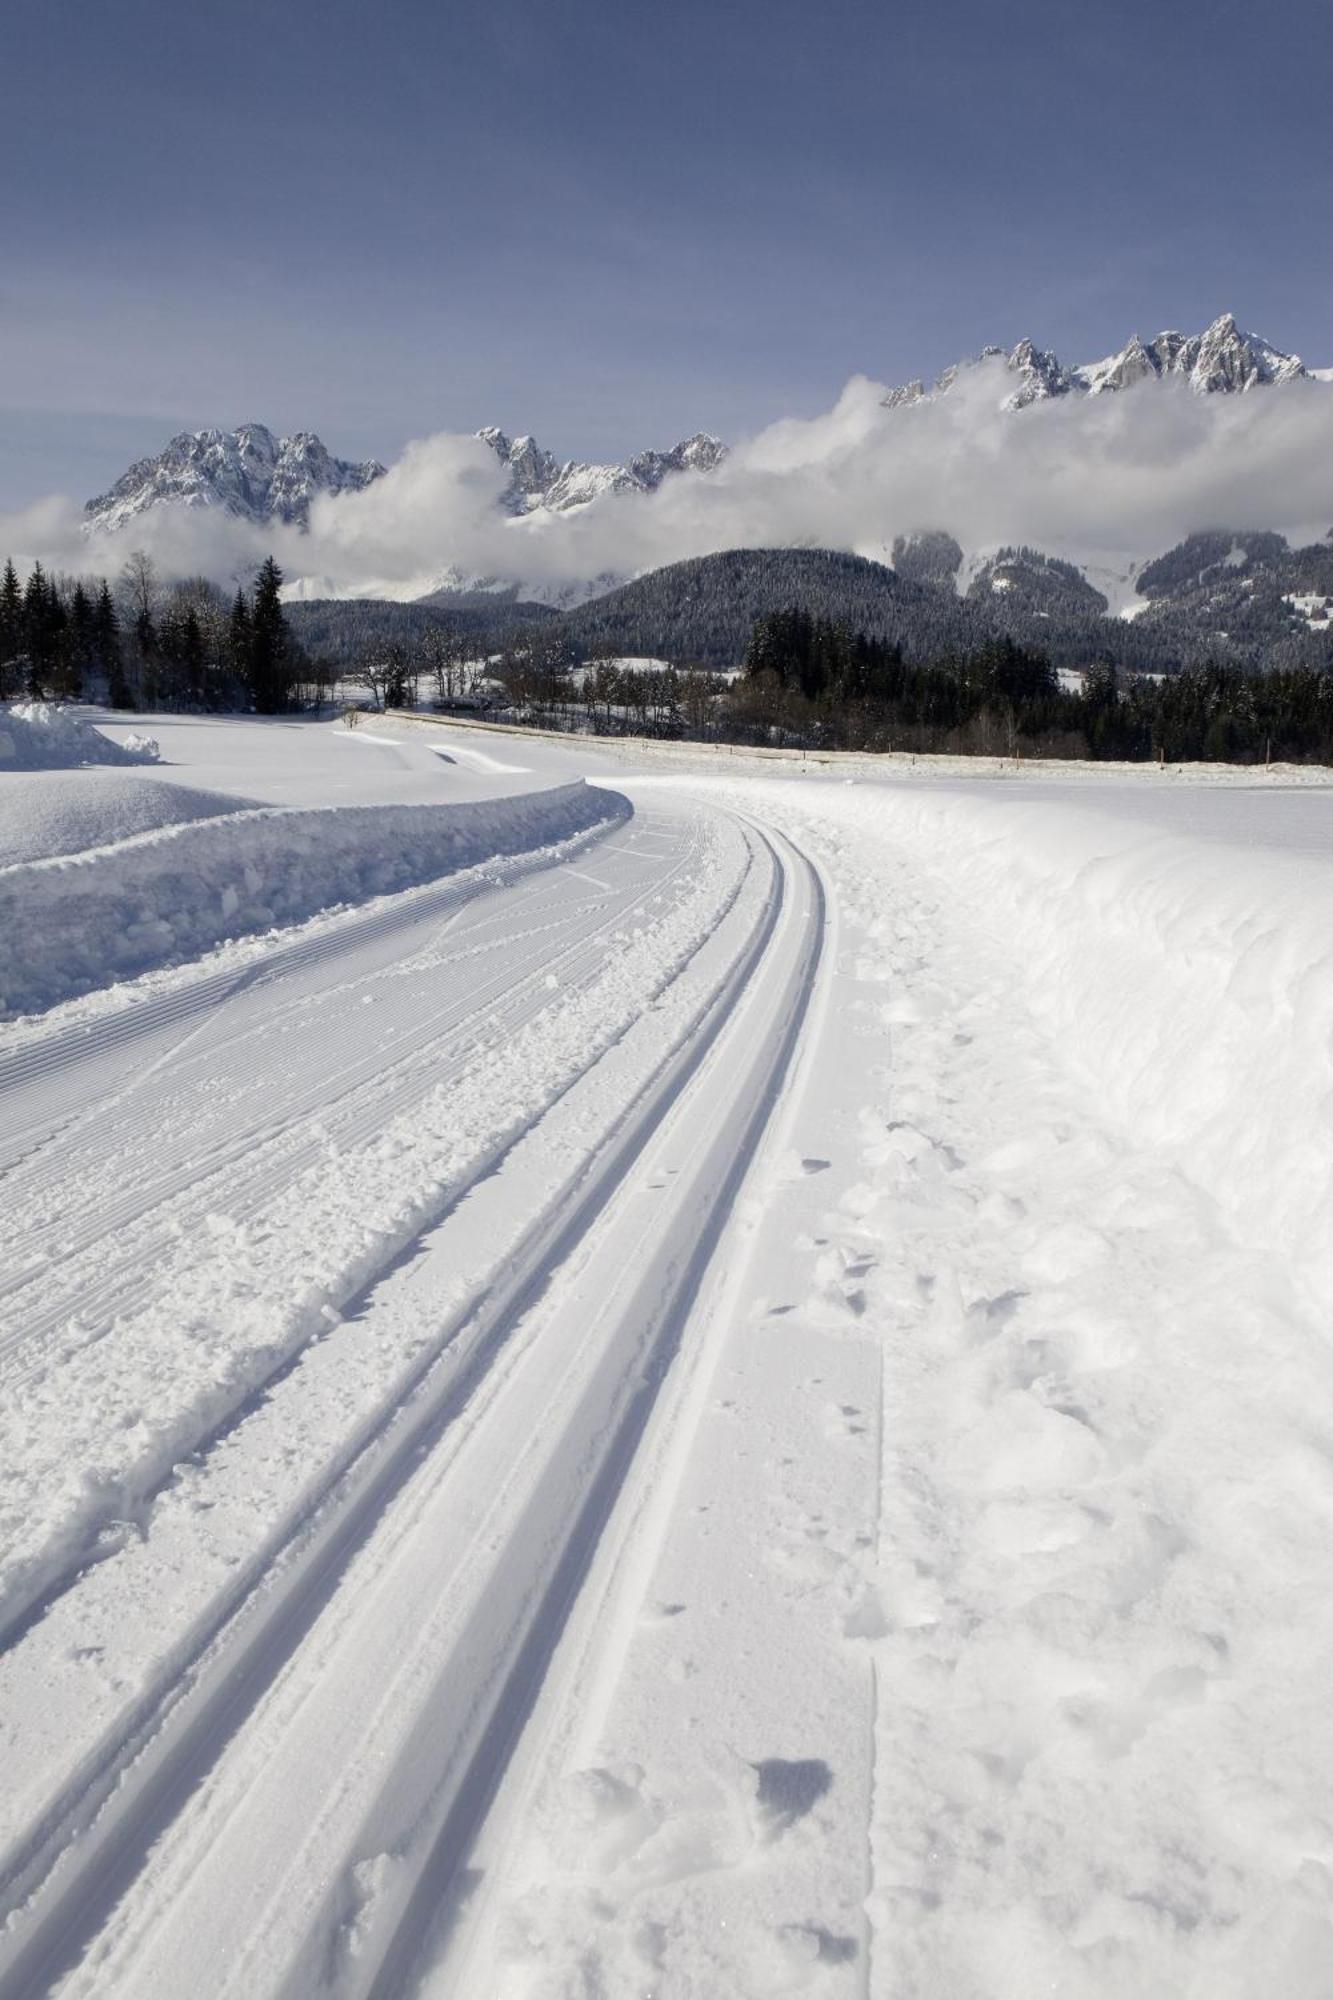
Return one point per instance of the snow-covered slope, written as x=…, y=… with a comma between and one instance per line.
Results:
x=538, y=479
x=1223, y=360
x=247, y=472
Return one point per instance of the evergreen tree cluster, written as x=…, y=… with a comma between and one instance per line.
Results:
x=817, y=681
x=54, y=638
x=145, y=646
x=1213, y=713
x=814, y=681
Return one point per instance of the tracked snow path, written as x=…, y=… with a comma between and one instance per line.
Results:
x=189, y=1663
x=571, y=1439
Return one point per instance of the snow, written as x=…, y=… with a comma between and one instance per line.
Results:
x=247, y=472
x=737, y=1402
x=288, y=761
x=43, y=813
x=538, y=481
x=1224, y=359
x=1010, y=1441
x=1316, y=610
x=70, y=923
x=44, y=736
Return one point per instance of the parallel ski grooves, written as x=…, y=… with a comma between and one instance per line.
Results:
x=78, y=1865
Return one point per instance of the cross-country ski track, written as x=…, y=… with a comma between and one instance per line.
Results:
x=489, y=1473
x=642, y=1371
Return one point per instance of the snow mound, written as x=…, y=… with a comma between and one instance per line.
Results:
x=72, y=924
x=43, y=736
x=45, y=813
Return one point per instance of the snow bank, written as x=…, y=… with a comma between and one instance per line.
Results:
x=44, y=813
x=69, y=925
x=42, y=736
x=1191, y=981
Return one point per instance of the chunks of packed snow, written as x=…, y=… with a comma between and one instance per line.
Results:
x=72, y=924
x=43, y=736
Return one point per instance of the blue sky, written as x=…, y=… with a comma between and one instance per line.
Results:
x=612, y=226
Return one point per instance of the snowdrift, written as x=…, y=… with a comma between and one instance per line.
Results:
x=75, y=923
x=44, y=813
x=1189, y=977
x=42, y=736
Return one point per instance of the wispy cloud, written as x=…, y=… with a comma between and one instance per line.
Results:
x=1113, y=477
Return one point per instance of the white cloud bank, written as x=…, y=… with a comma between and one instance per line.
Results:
x=1107, y=479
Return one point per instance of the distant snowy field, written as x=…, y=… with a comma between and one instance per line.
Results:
x=735, y=1356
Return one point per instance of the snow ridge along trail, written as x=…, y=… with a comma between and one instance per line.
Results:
x=325, y=1629
x=69, y=923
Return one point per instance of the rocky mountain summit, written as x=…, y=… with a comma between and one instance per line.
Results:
x=247, y=472
x=538, y=479
x=1223, y=360
x=262, y=478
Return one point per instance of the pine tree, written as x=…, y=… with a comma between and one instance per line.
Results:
x=146, y=649
x=37, y=634
x=192, y=657
x=61, y=674
x=107, y=655
x=11, y=630
x=238, y=639
x=271, y=653
x=75, y=653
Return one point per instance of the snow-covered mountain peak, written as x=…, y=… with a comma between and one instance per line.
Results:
x=537, y=479
x=1040, y=376
x=1223, y=360
x=531, y=470
x=247, y=472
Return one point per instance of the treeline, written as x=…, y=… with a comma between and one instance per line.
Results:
x=1213, y=713
x=145, y=645
x=347, y=630
x=816, y=682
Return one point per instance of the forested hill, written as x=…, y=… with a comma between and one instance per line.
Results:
x=342, y=628
x=704, y=610
x=1257, y=605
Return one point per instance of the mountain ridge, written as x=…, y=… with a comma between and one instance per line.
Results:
x=1222, y=360
x=263, y=479
x=247, y=472
x=538, y=479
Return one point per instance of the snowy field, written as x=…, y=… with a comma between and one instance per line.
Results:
x=713, y=1382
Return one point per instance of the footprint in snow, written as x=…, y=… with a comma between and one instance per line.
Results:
x=815, y=1944
x=788, y=1789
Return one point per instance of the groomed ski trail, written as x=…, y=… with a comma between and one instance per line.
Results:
x=332, y=1739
